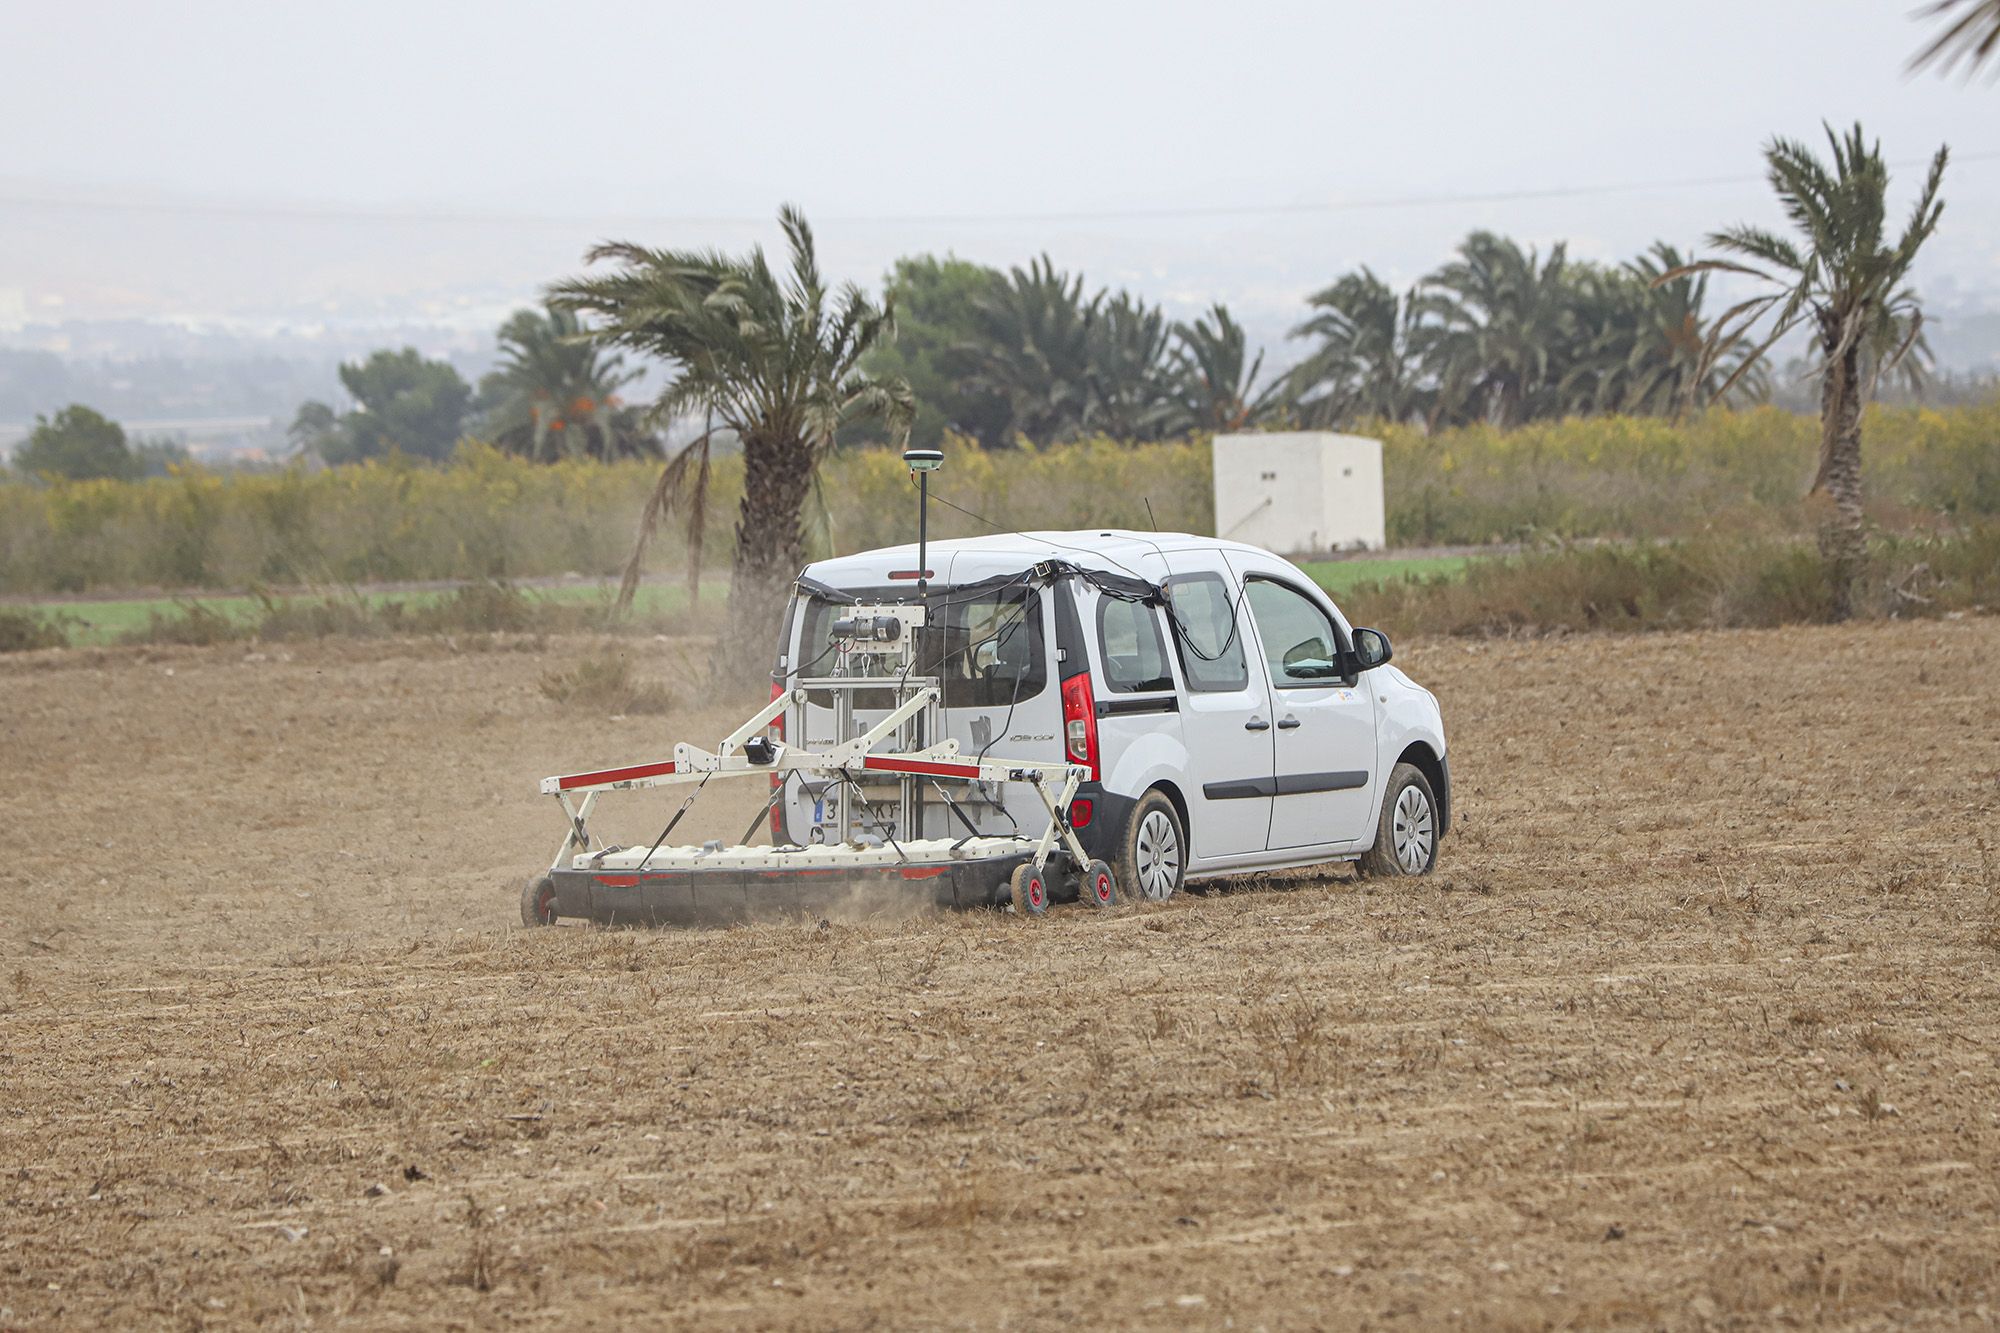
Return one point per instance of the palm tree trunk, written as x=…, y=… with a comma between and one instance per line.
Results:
x=698, y=517
x=1842, y=535
x=770, y=551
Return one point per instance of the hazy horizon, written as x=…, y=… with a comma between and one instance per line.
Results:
x=311, y=178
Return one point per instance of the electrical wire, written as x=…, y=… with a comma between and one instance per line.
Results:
x=32, y=197
x=1040, y=537
x=1182, y=633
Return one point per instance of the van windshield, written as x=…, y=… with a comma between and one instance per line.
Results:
x=988, y=650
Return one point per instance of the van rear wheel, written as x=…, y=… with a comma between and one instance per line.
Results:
x=1152, y=851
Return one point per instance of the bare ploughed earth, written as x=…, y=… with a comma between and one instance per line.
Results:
x=1698, y=1024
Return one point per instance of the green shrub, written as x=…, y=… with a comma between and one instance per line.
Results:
x=1702, y=582
x=24, y=632
x=327, y=615
x=190, y=624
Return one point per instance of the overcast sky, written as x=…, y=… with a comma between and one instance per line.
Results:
x=277, y=163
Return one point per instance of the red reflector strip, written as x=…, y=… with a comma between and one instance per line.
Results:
x=913, y=573
x=617, y=881
x=605, y=775
x=927, y=767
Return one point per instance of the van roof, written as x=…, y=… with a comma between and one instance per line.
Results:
x=968, y=559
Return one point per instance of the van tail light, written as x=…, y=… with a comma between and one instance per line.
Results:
x=777, y=732
x=1080, y=722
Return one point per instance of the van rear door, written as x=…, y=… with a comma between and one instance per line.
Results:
x=992, y=652
x=1226, y=718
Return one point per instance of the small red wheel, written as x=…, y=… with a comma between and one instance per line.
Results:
x=1100, y=886
x=538, y=902
x=1031, y=890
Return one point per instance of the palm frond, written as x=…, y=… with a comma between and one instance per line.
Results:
x=1971, y=37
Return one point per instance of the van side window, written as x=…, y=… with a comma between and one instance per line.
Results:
x=1128, y=639
x=1205, y=633
x=1300, y=643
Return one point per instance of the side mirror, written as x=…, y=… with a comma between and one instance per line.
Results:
x=1371, y=649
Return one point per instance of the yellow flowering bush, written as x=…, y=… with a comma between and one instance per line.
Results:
x=488, y=514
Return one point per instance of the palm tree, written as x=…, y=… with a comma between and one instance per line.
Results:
x=1844, y=286
x=1970, y=32
x=1032, y=347
x=1366, y=362
x=1128, y=353
x=1600, y=362
x=1490, y=328
x=555, y=393
x=1212, y=387
x=773, y=358
x=1674, y=370
x=1636, y=344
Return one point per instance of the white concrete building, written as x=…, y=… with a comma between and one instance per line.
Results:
x=1297, y=492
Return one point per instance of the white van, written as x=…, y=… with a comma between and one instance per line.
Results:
x=1231, y=718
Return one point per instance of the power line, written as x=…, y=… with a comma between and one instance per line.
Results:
x=607, y=222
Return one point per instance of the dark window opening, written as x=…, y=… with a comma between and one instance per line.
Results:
x=988, y=651
x=1206, y=635
x=1128, y=640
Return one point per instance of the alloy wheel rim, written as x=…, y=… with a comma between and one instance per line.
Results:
x=1413, y=830
x=1159, y=856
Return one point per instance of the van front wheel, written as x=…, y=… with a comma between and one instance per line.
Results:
x=1406, y=839
x=1152, y=853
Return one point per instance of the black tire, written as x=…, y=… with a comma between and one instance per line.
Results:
x=1031, y=890
x=1406, y=836
x=1151, y=862
x=1097, y=886
x=538, y=902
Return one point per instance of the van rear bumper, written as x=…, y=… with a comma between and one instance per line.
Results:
x=1108, y=813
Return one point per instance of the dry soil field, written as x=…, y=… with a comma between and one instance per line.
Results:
x=1699, y=1024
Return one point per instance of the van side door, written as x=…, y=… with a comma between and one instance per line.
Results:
x=1225, y=716
x=1323, y=724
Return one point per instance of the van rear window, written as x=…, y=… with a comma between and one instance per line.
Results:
x=989, y=650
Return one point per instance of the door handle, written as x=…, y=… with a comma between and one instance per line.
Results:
x=1256, y=724
x=1287, y=724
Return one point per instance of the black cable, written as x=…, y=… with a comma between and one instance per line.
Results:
x=1014, y=701
x=1186, y=636
x=685, y=806
x=963, y=510
x=869, y=811
x=1018, y=533
x=803, y=667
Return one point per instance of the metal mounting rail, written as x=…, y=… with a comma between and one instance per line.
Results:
x=735, y=756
